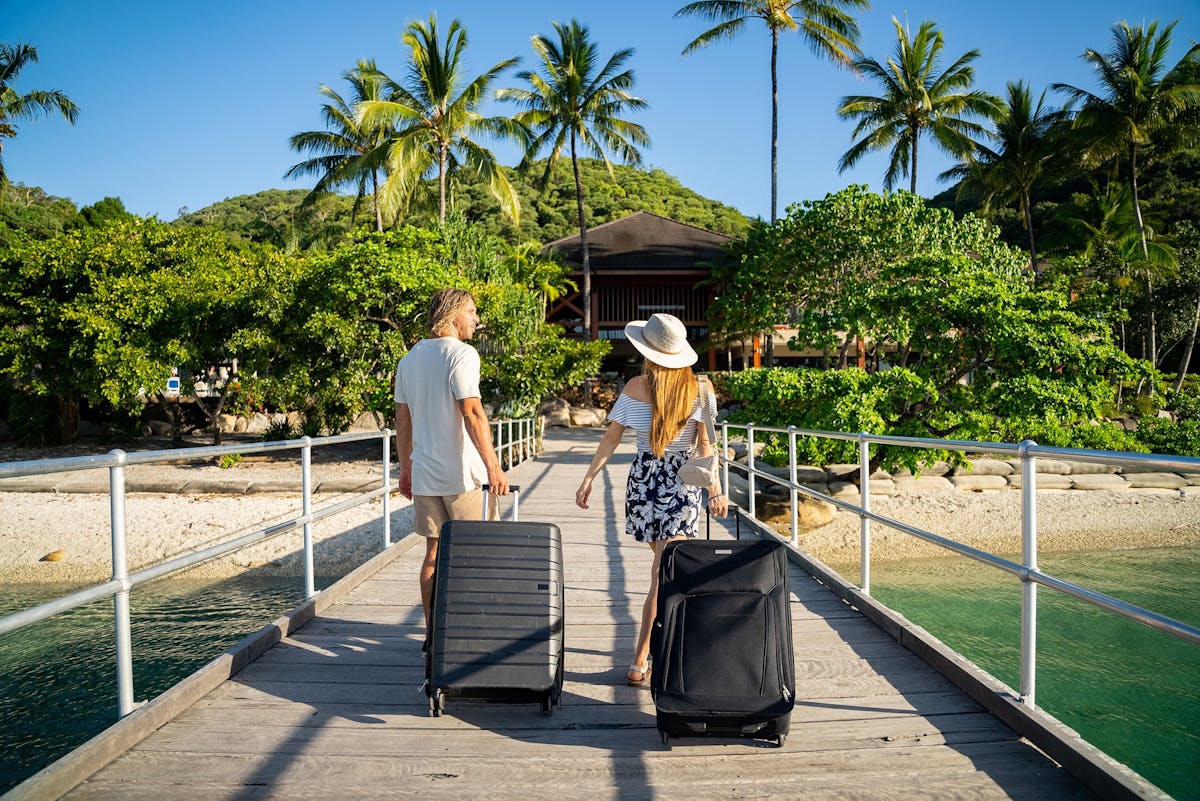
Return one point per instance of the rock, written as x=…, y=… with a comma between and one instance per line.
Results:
x=1045, y=481
x=159, y=428
x=984, y=467
x=922, y=484
x=1088, y=468
x=1172, y=481
x=54, y=556
x=979, y=483
x=226, y=423
x=810, y=513
x=1098, y=481
x=367, y=421
x=258, y=423
x=1054, y=466
x=585, y=416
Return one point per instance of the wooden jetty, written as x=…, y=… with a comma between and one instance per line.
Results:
x=327, y=703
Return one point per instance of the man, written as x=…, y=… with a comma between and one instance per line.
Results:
x=443, y=438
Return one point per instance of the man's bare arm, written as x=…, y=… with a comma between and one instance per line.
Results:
x=478, y=429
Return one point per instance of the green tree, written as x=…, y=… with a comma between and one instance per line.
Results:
x=348, y=153
x=432, y=122
x=1141, y=106
x=543, y=275
x=102, y=315
x=1023, y=148
x=916, y=100
x=974, y=349
x=826, y=26
x=575, y=103
x=15, y=106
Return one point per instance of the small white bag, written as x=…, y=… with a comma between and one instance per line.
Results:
x=702, y=471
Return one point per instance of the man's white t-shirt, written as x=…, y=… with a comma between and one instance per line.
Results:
x=431, y=379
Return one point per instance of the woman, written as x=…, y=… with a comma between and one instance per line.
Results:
x=662, y=407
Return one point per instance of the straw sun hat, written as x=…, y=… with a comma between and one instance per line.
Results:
x=663, y=340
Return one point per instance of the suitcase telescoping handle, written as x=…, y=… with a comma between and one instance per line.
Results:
x=737, y=521
x=516, y=493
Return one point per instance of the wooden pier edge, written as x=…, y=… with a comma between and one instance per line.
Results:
x=1105, y=776
x=70, y=770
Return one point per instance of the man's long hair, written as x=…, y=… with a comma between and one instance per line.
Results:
x=444, y=306
x=672, y=392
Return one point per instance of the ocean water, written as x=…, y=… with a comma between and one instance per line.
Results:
x=1130, y=690
x=58, y=683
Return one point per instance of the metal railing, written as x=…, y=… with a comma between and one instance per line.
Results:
x=1027, y=570
x=513, y=440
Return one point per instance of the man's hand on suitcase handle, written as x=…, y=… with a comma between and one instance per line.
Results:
x=497, y=481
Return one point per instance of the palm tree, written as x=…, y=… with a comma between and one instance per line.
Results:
x=541, y=274
x=1109, y=228
x=348, y=153
x=432, y=121
x=28, y=106
x=1023, y=149
x=916, y=99
x=825, y=25
x=1138, y=105
x=571, y=105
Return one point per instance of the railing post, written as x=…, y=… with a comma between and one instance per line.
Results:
x=1029, y=562
x=792, y=478
x=864, y=495
x=387, y=488
x=725, y=457
x=120, y=572
x=750, y=472
x=310, y=587
x=511, y=450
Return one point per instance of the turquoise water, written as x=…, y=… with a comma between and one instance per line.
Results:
x=58, y=683
x=1132, y=691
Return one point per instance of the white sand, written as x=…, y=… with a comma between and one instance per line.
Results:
x=162, y=526
x=1067, y=520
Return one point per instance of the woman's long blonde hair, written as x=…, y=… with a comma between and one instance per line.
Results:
x=672, y=392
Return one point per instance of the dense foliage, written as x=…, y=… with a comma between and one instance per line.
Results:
x=548, y=214
x=97, y=319
x=973, y=349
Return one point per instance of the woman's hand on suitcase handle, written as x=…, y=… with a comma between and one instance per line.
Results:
x=718, y=504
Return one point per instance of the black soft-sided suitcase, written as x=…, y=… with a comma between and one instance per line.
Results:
x=723, y=661
x=497, y=616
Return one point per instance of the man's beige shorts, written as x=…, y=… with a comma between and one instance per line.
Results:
x=430, y=511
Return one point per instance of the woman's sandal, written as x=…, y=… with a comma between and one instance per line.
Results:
x=643, y=674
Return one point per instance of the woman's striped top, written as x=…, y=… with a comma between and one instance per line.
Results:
x=635, y=414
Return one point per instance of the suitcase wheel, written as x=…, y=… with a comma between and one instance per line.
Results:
x=666, y=738
x=548, y=704
x=781, y=739
x=436, y=703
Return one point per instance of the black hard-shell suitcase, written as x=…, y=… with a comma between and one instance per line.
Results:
x=723, y=663
x=497, y=615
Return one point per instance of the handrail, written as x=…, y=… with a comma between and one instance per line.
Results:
x=511, y=448
x=1027, y=570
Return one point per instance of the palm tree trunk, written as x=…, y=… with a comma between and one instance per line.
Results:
x=1150, y=320
x=1029, y=229
x=1137, y=206
x=442, y=184
x=774, y=122
x=583, y=245
x=913, y=164
x=375, y=195
x=1186, y=361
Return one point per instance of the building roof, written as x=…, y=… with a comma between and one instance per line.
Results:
x=642, y=240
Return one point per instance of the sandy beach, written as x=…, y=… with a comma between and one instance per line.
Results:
x=163, y=525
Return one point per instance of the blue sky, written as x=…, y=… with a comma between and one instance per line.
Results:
x=186, y=104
